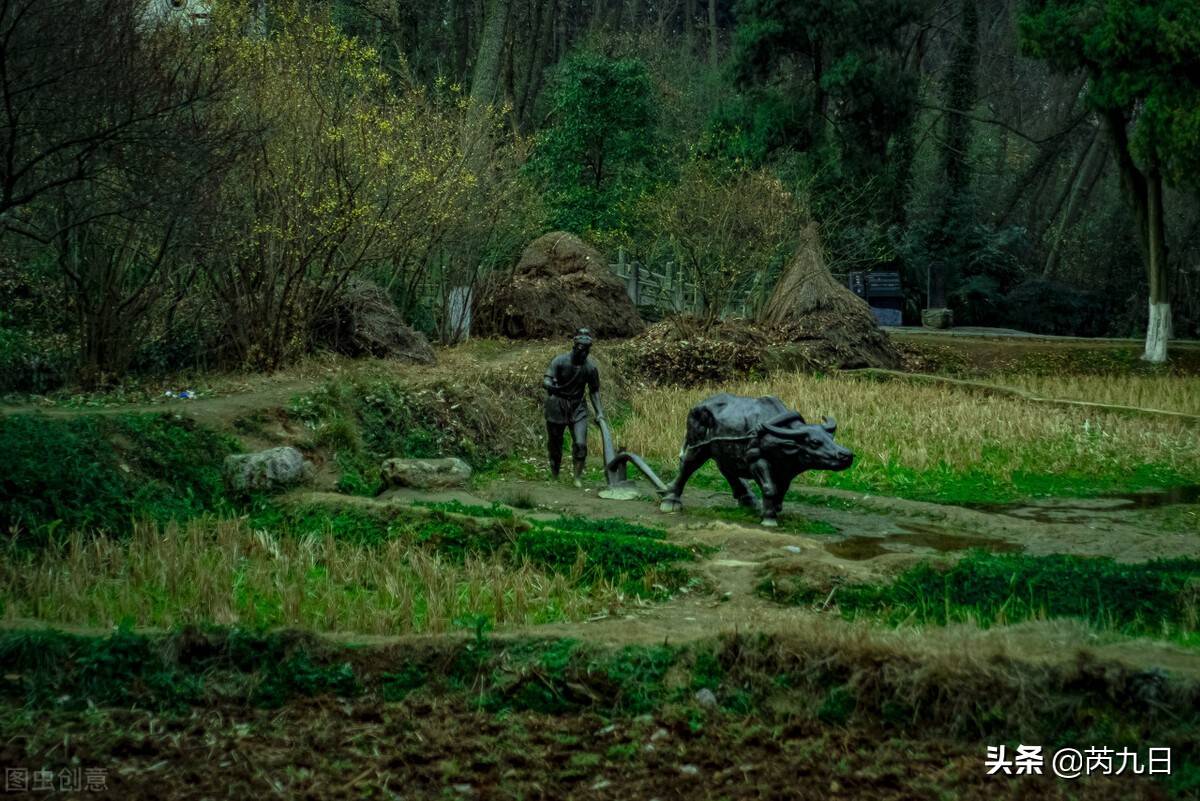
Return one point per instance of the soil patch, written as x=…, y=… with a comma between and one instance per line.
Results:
x=322, y=748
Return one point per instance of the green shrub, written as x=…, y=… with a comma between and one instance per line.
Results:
x=609, y=556
x=298, y=675
x=995, y=589
x=122, y=669
x=837, y=707
x=363, y=423
x=93, y=472
x=28, y=364
x=608, y=525
x=396, y=686
x=638, y=673
x=456, y=541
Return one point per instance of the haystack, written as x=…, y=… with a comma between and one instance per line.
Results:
x=559, y=285
x=689, y=351
x=363, y=321
x=833, y=326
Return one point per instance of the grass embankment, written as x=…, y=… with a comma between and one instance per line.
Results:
x=1169, y=392
x=944, y=444
x=99, y=472
x=1160, y=598
x=388, y=572
x=823, y=686
x=985, y=357
x=482, y=403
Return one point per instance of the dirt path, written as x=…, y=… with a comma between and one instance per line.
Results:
x=217, y=411
x=876, y=537
x=1012, y=333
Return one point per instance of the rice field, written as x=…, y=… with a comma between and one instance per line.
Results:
x=942, y=442
x=224, y=572
x=1175, y=393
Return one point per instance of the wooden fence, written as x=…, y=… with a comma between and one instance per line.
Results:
x=668, y=290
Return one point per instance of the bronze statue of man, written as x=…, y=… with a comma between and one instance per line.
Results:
x=567, y=379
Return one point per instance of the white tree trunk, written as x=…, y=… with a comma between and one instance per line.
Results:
x=1158, y=331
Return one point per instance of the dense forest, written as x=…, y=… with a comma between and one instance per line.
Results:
x=188, y=184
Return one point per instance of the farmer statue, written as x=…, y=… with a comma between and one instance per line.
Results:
x=567, y=378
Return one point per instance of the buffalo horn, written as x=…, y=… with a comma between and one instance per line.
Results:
x=779, y=426
x=829, y=424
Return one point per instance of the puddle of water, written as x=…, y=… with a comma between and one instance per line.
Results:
x=1081, y=512
x=1148, y=500
x=859, y=548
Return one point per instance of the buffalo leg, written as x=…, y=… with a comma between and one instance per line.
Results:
x=781, y=489
x=691, y=461
x=741, y=490
x=772, y=498
x=773, y=503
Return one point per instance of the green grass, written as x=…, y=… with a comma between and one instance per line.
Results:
x=224, y=570
x=949, y=485
x=944, y=484
x=606, y=525
x=473, y=510
x=363, y=423
x=130, y=669
x=347, y=524
x=93, y=472
x=323, y=567
x=300, y=676
x=509, y=466
x=1158, y=598
x=45, y=667
x=596, y=555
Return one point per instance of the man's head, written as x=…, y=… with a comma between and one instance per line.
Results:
x=581, y=344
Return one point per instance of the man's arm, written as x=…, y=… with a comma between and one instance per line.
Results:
x=594, y=392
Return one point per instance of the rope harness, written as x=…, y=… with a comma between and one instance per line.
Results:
x=711, y=440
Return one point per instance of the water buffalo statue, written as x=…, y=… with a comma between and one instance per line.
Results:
x=754, y=438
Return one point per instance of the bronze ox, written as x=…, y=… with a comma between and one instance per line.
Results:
x=756, y=439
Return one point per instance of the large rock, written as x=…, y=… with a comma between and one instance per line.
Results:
x=559, y=285
x=937, y=318
x=266, y=471
x=425, y=473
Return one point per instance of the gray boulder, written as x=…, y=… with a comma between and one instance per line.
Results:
x=269, y=470
x=937, y=318
x=425, y=473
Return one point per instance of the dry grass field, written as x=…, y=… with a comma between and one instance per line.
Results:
x=932, y=440
x=228, y=572
x=1175, y=393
